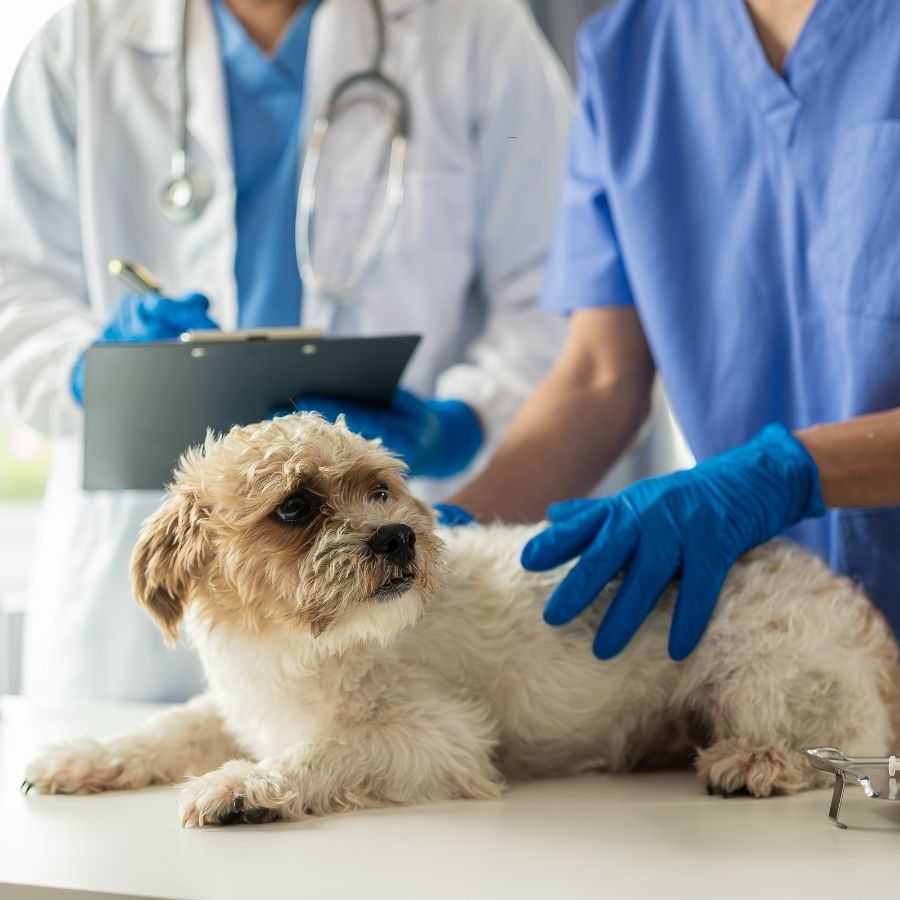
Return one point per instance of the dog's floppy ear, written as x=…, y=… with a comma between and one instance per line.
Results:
x=168, y=559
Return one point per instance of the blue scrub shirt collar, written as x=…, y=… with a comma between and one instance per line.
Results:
x=285, y=69
x=155, y=26
x=780, y=95
x=809, y=54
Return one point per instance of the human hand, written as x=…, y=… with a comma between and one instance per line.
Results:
x=147, y=317
x=436, y=438
x=696, y=522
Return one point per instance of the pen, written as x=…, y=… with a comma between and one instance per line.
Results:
x=139, y=278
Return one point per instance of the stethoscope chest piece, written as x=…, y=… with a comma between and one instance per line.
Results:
x=182, y=193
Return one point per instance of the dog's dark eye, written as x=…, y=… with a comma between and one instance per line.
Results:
x=298, y=509
x=380, y=495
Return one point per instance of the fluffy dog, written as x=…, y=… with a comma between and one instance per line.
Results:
x=356, y=657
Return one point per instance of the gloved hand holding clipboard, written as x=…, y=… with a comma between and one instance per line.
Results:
x=147, y=402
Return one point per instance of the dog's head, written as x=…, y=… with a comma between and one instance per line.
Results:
x=295, y=524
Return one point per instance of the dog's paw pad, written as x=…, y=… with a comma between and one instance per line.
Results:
x=732, y=766
x=719, y=791
x=82, y=766
x=236, y=792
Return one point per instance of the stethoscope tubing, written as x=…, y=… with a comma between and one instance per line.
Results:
x=347, y=291
x=183, y=195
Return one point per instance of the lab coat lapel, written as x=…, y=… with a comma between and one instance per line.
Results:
x=207, y=113
x=342, y=42
x=156, y=29
x=205, y=251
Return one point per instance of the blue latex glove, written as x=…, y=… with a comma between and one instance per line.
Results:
x=147, y=317
x=436, y=438
x=696, y=522
x=450, y=516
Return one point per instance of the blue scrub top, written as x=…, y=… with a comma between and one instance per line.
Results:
x=753, y=220
x=265, y=100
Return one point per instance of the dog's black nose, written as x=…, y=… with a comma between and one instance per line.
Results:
x=396, y=542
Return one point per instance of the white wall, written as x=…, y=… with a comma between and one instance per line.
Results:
x=20, y=22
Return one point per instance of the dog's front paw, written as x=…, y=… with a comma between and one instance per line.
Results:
x=734, y=766
x=83, y=766
x=239, y=791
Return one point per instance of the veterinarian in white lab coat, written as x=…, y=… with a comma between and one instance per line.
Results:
x=86, y=138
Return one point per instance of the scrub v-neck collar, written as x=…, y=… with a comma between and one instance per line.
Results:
x=780, y=95
x=256, y=71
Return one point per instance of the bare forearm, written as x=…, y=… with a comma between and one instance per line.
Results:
x=575, y=425
x=561, y=443
x=858, y=460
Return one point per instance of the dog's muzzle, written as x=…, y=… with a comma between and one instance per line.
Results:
x=395, y=544
x=395, y=586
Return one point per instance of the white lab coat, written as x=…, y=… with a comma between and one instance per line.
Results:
x=85, y=140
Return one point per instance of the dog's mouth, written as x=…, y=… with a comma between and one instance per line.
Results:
x=397, y=584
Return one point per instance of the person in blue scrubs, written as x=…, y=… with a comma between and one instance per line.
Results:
x=731, y=220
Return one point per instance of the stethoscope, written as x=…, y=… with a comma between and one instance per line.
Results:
x=183, y=193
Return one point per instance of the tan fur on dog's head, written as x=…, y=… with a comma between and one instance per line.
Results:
x=222, y=542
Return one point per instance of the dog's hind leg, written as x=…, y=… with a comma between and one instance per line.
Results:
x=184, y=740
x=760, y=716
x=736, y=765
x=795, y=657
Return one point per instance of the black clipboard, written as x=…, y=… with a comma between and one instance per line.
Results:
x=146, y=403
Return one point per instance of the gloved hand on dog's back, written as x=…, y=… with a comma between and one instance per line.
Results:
x=451, y=516
x=695, y=523
x=436, y=438
x=147, y=317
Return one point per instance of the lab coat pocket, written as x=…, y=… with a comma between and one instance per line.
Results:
x=860, y=259
x=870, y=540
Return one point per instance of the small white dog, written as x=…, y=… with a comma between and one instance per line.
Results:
x=357, y=658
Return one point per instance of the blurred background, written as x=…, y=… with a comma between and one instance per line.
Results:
x=560, y=20
x=23, y=454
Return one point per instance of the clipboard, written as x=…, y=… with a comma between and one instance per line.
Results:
x=146, y=403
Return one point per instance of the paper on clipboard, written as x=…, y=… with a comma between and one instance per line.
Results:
x=206, y=336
